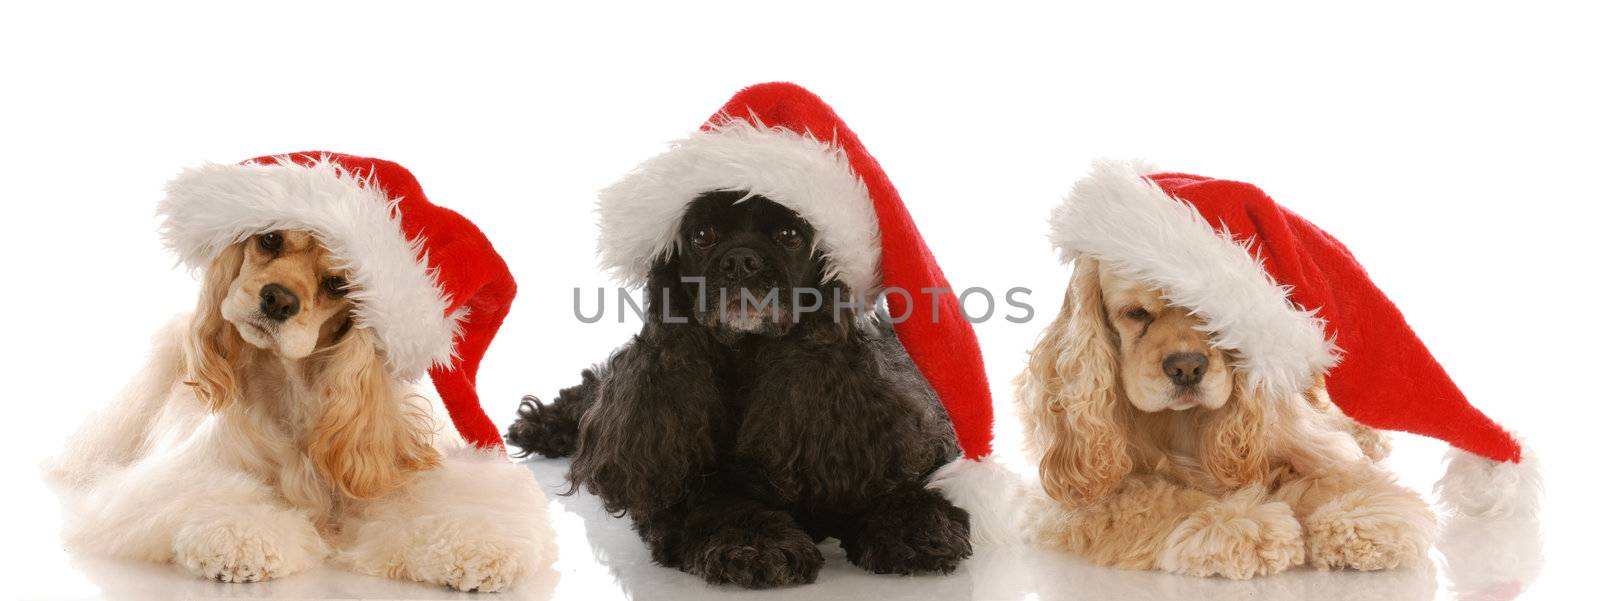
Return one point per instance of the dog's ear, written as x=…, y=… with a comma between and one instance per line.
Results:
x=1069, y=401
x=651, y=430
x=1234, y=438
x=1315, y=436
x=213, y=349
x=668, y=299
x=366, y=440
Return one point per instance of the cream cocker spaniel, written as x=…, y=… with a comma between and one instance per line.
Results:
x=266, y=433
x=1153, y=454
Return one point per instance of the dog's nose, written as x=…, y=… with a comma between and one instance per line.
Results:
x=278, y=303
x=740, y=262
x=1185, y=369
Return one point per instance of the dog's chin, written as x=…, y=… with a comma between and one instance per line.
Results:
x=755, y=311
x=734, y=321
x=259, y=335
x=1183, y=403
x=260, y=332
x=1179, y=400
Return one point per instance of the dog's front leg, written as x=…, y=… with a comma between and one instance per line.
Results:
x=1361, y=519
x=476, y=523
x=910, y=531
x=1151, y=523
x=217, y=523
x=730, y=540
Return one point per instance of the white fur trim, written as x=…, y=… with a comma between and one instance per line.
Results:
x=1481, y=488
x=1127, y=222
x=639, y=215
x=397, y=296
x=989, y=492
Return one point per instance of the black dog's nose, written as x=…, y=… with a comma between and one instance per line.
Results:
x=740, y=262
x=1185, y=369
x=278, y=303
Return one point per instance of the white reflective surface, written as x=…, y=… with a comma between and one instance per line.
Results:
x=1452, y=150
x=601, y=558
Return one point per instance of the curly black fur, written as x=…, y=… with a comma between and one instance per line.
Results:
x=734, y=448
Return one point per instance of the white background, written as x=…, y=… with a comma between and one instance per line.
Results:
x=1452, y=147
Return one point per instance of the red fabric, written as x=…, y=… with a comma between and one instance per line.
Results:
x=1386, y=377
x=468, y=270
x=946, y=352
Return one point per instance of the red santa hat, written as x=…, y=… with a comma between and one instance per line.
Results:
x=1291, y=302
x=425, y=280
x=782, y=142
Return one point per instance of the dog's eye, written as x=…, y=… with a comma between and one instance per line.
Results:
x=271, y=242
x=789, y=238
x=1137, y=314
x=335, y=286
x=704, y=237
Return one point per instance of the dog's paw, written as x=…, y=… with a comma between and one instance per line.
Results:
x=928, y=536
x=543, y=430
x=1238, y=537
x=248, y=548
x=758, y=559
x=1366, y=530
x=472, y=566
x=469, y=549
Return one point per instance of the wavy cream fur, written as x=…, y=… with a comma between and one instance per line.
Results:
x=233, y=494
x=398, y=297
x=426, y=534
x=639, y=215
x=1127, y=222
x=1251, y=488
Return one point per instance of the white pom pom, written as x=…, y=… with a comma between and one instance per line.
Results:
x=1478, y=487
x=988, y=492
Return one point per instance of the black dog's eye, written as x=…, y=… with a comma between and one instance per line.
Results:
x=704, y=237
x=271, y=242
x=789, y=238
x=1137, y=314
x=335, y=286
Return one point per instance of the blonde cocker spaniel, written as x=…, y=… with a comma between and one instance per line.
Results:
x=1154, y=455
x=266, y=433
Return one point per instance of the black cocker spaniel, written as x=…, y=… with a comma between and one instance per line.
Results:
x=759, y=410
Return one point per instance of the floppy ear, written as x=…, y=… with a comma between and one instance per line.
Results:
x=668, y=300
x=651, y=430
x=1234, y=440
x=214, y=350
x=1070, y=401
x=366, y=440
